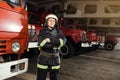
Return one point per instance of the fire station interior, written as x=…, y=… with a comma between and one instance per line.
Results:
x=103, y=19
x=58, y=7
x=99, y=16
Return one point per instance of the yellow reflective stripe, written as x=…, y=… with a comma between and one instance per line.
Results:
x=42, y=66
x=39, y=48
x=61, y=43
x=43, y=43
x=55, y=48
x=56, y=67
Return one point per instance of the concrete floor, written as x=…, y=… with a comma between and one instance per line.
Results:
x=95, y=65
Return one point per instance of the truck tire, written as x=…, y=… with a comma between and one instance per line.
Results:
x=109, y=46
x=67, y=50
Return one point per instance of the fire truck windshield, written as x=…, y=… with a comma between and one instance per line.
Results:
x=14, y=2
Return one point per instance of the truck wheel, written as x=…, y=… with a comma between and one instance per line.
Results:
x=67, y=50
x=109, y=46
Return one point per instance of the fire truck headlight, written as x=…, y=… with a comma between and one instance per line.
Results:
x=15, y=46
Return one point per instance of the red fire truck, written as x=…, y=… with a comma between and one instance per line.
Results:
x=13, y=38
x=110, y=42
x=94, y=39
x=77, y=41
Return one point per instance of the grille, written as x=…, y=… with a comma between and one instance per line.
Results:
x=2, y=46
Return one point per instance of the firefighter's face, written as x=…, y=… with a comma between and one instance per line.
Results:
x=51, y=23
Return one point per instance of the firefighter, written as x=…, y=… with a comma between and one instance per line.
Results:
x=50, y=40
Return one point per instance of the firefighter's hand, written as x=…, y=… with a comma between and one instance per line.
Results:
x=47, y=39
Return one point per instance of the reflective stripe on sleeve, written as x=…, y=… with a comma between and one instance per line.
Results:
x=43, y=43
x=56, y=67
x=55, y=48
x=42, y=66
x=61, y=43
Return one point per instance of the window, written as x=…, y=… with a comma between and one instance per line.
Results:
x=90, y=9
x=117, y=22
x=111, y=0
x=16, y=2
x=93, y=21
x=112, y=9
x=106, y=21
x=71, y=9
